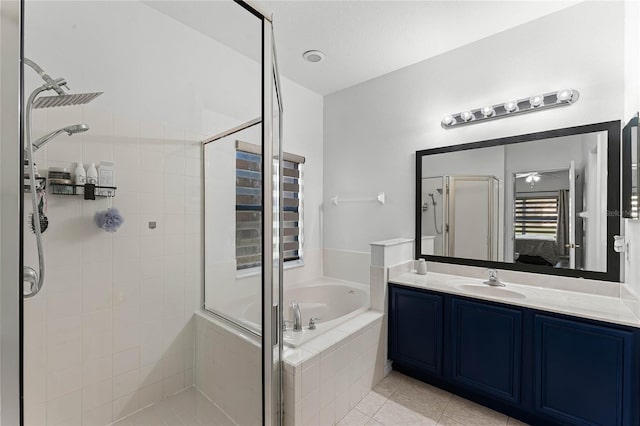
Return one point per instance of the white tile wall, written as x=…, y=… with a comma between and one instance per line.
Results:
x=327, y=376
x=112, y=330
x=228, y=369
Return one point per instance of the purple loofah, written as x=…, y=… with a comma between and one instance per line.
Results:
x=109, y=220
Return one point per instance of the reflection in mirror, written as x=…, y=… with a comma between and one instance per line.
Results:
x=538, y=202
x=630, y=177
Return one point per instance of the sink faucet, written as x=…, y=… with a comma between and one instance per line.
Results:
x=297, y=316
x=493, y=279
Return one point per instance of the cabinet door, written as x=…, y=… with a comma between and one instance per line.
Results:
x=582, y=372
x=415, y=329
x=487, y=348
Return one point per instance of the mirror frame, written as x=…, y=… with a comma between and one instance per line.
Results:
x=613, y=201
x=627, y=175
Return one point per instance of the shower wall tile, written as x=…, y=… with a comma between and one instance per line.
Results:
x=113, y=329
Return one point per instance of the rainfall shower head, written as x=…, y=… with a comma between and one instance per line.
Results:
x=65, y=100
x=69, y=130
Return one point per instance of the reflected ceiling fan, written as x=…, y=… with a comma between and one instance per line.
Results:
x=530, y=177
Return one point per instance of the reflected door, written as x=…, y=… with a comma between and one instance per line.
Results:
x=470, y=218
x=572, y=215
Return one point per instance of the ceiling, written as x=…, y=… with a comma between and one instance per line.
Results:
x=361, y=39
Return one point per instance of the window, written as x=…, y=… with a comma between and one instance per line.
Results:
x=249, y=206
x=536, y=216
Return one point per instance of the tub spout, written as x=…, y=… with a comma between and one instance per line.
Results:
x=297, y=316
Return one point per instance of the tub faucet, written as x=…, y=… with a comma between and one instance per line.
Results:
x=493, y=279
x=297, y=316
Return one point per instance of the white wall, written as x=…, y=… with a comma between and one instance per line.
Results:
x=372, y=130
x=149, y=66
x=632, y=105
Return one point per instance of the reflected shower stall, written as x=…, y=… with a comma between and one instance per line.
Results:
x=132, y=274
x=460, y=216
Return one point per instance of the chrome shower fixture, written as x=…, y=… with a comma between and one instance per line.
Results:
x=51, y=83
x=35, y=279
x=69, y=130
x=539, y=102
x=65, y=100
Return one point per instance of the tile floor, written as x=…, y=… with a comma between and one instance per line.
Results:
x=187, y=408
x=401, y=400
x=396, y=400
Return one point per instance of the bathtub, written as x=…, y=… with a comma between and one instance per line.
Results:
x=332, y=301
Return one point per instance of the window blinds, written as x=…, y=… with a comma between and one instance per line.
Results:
x=249, y=205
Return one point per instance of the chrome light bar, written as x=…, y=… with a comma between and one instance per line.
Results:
x=564, y=97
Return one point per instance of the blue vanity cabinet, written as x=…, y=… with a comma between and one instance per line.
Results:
x=486, y=348
x=584, y=373
x=540, y=367
x=415, y=329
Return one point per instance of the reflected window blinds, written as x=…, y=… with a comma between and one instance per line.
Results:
x=536, y=216
x=249, y=205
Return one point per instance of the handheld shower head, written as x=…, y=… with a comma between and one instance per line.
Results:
x=69, y=130
x=76, y=128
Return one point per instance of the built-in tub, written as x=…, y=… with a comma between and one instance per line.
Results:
x=332, y=301
x=345, y=362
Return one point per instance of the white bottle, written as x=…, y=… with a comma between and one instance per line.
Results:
x=92, y=174
x=421, y=267
x=81, y=177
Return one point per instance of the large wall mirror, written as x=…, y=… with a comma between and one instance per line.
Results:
x=546, y=202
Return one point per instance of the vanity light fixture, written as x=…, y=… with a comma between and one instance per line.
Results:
x=449, y=120
x=536, y=101
x=563, y=97
x=466, y=116
x=511, y=106
x=487, y=111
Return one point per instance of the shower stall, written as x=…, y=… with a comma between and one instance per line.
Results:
x=461, y=215
x=119, y=282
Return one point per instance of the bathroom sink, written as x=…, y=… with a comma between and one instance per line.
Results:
x=485, y=290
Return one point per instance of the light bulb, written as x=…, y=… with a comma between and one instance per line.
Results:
x=511, y=106
x=487, y=111
x=466, y=115
x=448, y=120
x=536, y=101
x=564, y=95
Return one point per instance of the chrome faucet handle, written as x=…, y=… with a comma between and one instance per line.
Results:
x=297, y=316
x=312, y=323
x=493, y=279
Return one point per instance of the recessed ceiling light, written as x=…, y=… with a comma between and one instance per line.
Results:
x=313, y=56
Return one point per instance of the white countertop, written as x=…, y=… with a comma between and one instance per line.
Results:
x=596, y=307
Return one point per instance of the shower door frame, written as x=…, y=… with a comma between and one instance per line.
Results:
x=11, y=213
x=271, y=336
